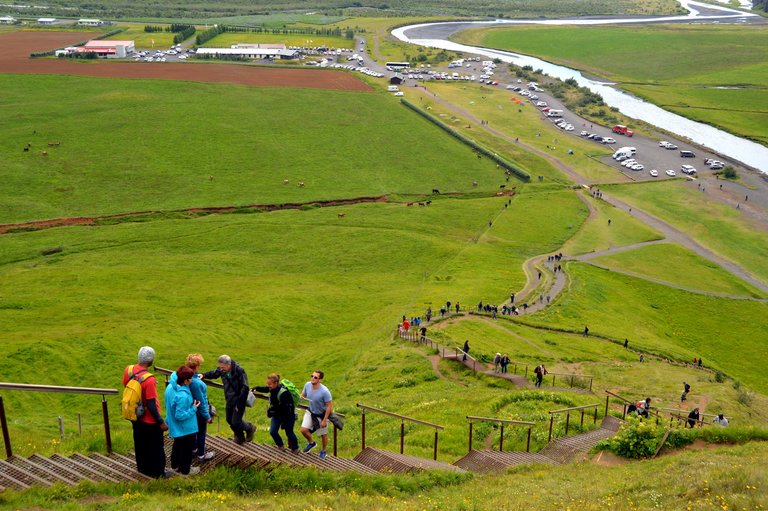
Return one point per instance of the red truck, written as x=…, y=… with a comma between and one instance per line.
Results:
x=623, y=130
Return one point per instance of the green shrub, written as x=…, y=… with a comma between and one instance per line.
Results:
x=637, y=438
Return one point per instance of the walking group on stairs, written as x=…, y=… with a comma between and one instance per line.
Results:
x=188, y=412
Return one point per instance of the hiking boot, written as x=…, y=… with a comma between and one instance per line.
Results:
x=309, y=447
x=323, y=454
x=206, y=457
x=239, y=439
x=192, y=471
x=249, y=433
x=170, y=473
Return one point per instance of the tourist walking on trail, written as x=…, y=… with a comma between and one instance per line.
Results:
x=182, y=420
x=497, y=363
x=199, y=391
x=586, y=331
x=693, y=417
x=149, y=424
x=281, y=411
x=720, y=420
x=540, y=372
x=504, y=363
x=423, y=332
x=686, y=390
x=236, y=392
x=316, y=417
x=465, y=349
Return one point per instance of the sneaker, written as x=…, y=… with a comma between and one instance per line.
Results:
x=295, y=451
x=309, y=447
x=207, y=456
x=323, y=454
x=249, y=434
x=192, y=471
x=170, y=473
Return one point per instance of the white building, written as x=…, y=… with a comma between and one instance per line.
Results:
x=251, y=51
x=46, y=21
x=91, y=23
x=8, y=20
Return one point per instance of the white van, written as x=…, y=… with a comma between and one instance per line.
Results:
x=393, y=88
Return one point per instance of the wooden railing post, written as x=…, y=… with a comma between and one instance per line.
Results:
x=553, y=380
x=590, y=384
x=335, y=440
x=595, y=421
x=470, y=436
x=402, y=436
x=434, y=456
x=6, y=435
x=528, y=444
x=551, y=420
x=362, y=422
x=567, y=421
x=582, y=419
x=501, y=439
x=107, y=433
x=606, y=405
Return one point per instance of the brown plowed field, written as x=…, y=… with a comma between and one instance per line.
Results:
x=15, y=48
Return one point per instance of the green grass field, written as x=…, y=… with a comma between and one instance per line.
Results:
x=295, y=290
x=722, y=229
x=144, y=40
x=227, y=39
x=676, y=66
x=666, y=260
x=189, y=134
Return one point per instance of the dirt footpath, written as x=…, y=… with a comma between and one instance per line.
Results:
x=15, y=48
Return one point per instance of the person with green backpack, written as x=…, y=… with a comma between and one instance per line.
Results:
x=283, y=398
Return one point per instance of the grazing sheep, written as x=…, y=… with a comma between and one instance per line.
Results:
x=435, y=191
x=502, y=186
x=285, y=181
x=301, y=183
x=342, y=215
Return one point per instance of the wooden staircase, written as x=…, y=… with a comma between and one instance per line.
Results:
x=558, y=452
x=22, y=473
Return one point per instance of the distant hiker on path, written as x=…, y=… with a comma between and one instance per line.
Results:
x=693, y=417
x=586, y=331
x=686, y=390
x=626, y=343
x=497, y=363
x=540, y=372
x=721, y=421
x=466, y=350
x=504, y=363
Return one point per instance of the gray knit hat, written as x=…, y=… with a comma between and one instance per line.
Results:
x=146, y=355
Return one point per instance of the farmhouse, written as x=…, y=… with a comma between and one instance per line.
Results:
x=8, y=20
x=46, y=21
x=106, y=49
x=252, y=51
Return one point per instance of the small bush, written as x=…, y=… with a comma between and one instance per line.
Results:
x=729, y=172
x=719, y=377
x=636, y=438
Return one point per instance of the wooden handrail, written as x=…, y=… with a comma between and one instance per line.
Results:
x=530, y=425
x=574, y=408
x=508, y=421
x=402, y=418
x=55, y=388
x=398, y=416
x=675, y=410
x=58, y=388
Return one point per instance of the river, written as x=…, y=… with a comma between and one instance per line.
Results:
x=755, y=155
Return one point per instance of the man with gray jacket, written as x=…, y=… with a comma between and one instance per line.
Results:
x=236, y=391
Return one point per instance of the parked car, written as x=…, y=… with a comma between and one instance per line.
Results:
x=584, y=133
x=671, y=147
x=663, y=143
x=687, y=169
x=687, y=154
x=654, y=173
x=671, y=173
x=609, y=140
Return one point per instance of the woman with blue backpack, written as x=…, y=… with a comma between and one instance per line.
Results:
x=282, y=410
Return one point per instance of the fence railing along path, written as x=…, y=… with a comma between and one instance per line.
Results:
x=456, y=353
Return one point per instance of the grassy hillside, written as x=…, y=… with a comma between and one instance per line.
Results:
x=710, y=73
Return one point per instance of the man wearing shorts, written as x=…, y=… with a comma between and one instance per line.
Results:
x=320, y=407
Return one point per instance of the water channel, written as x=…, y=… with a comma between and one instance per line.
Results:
x=435, y=35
